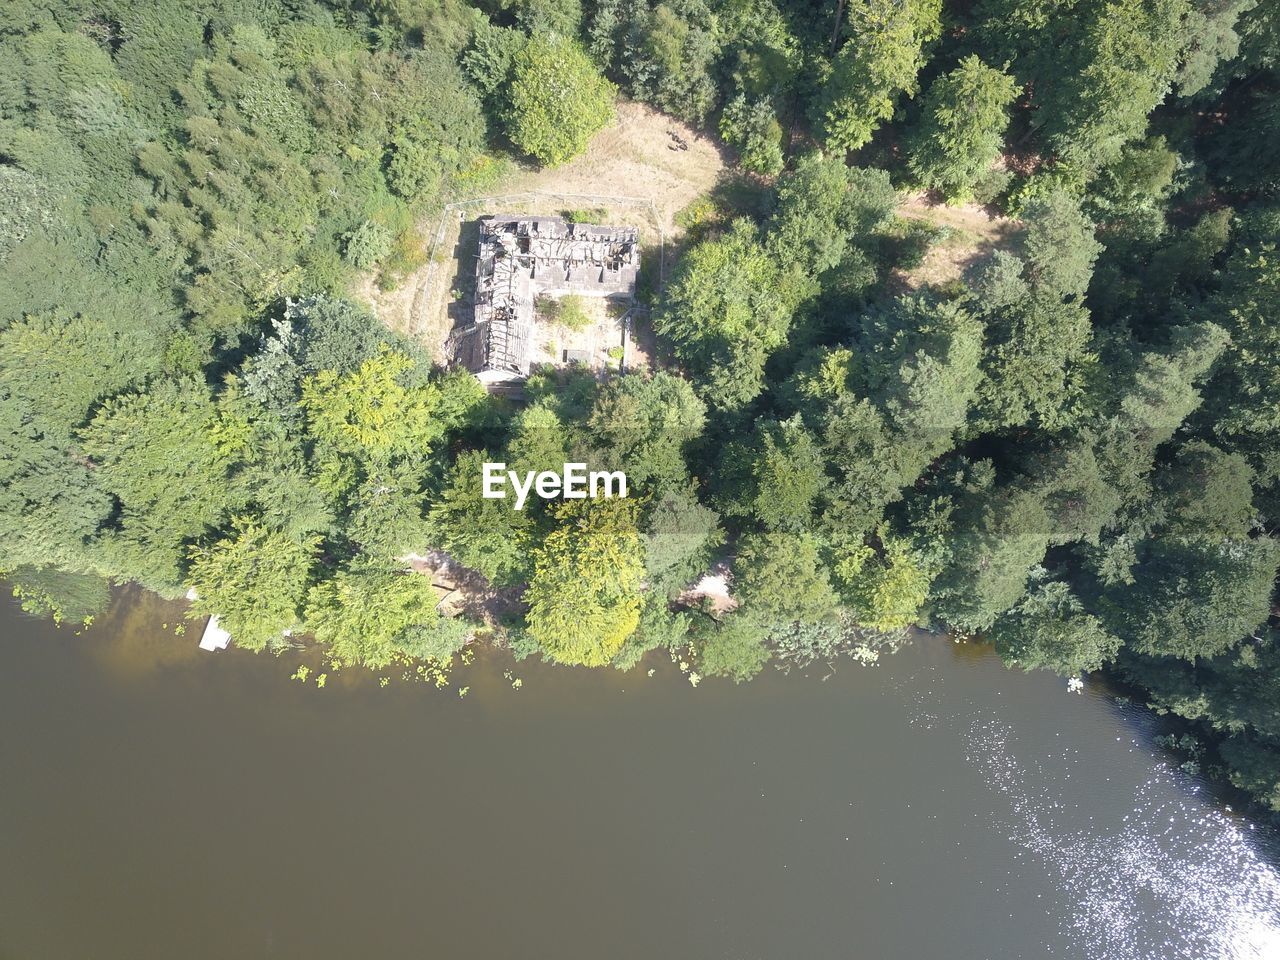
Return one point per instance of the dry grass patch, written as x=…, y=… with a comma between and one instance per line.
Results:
x=971, y=234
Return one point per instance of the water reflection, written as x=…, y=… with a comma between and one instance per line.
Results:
x=141, y=633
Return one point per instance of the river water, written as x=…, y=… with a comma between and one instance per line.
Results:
x=161, y=802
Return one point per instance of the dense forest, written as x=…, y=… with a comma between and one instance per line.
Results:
x=1073, y=453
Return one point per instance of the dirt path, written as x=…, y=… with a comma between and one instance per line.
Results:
x=633, y=172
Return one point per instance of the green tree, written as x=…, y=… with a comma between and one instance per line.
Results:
x=1000, y=534
x=52, y=504
x=1060, y=248
x=723, y=315
x=886, y=589
x=878, y=63
x=780, y=578
x=1210, y=39
x=548, y=16
x=254, y=580
x=1242, y=401
x=165, y=455
x=736, y=647
x=680, y=539
x=368, y=245
x=333, y=334
x=1205, y=491
x=1234, y=694
x=825, y=211
x=1040, y=329
x=886, y=413
x=585, y=595
x=754, y=130
x=669, y=56
x=1051, y=630
x=557, y=100
x=787, y=476
x=660, y=627
x=1117, y=68
x=962, y=131
x=379, y=417
x=489, y=59
x=1254, y=765
x=643, y=424
x=67, y=364
x=386, y=517
x=1195, y=596
x=370, y=611
x=1152, y=402
x=485, y=535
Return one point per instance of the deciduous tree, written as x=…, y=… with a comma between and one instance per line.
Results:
x=585, y=595
x=557, y=100
x=962, y=131
x=254, y=579
x=877, y=64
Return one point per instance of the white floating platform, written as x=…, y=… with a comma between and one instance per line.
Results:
x=215, y=638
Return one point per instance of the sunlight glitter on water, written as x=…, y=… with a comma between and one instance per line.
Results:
x=1174, y=879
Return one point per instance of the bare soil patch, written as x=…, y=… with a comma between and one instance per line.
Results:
x=638, y=157
x=463, y=591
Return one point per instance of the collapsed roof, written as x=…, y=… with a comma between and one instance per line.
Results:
x=521, y=258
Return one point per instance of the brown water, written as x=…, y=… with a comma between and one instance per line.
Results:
x=161, y=802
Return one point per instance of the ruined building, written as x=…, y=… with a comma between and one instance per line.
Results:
x=522, y=258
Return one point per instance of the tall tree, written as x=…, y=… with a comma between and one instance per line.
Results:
x=557, y=100
x=1196, y=596
x=370, y=611
x=962, y=130
x=877, y=64
x=1117, y=67
x=585, y=595
x=723, y=314
x=1050, y=629
x=643, y=423
x=254, y=580
x=1039, y=326
x=165, y=455
x=483, y=534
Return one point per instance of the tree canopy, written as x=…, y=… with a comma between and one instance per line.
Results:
x=558, y=99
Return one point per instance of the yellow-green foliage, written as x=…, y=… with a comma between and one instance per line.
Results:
x=584, y=599
x=370, y=418
x=887, y=589
x=370, y=612
x=573, y=313
x=568, y=311
x=253, y=579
